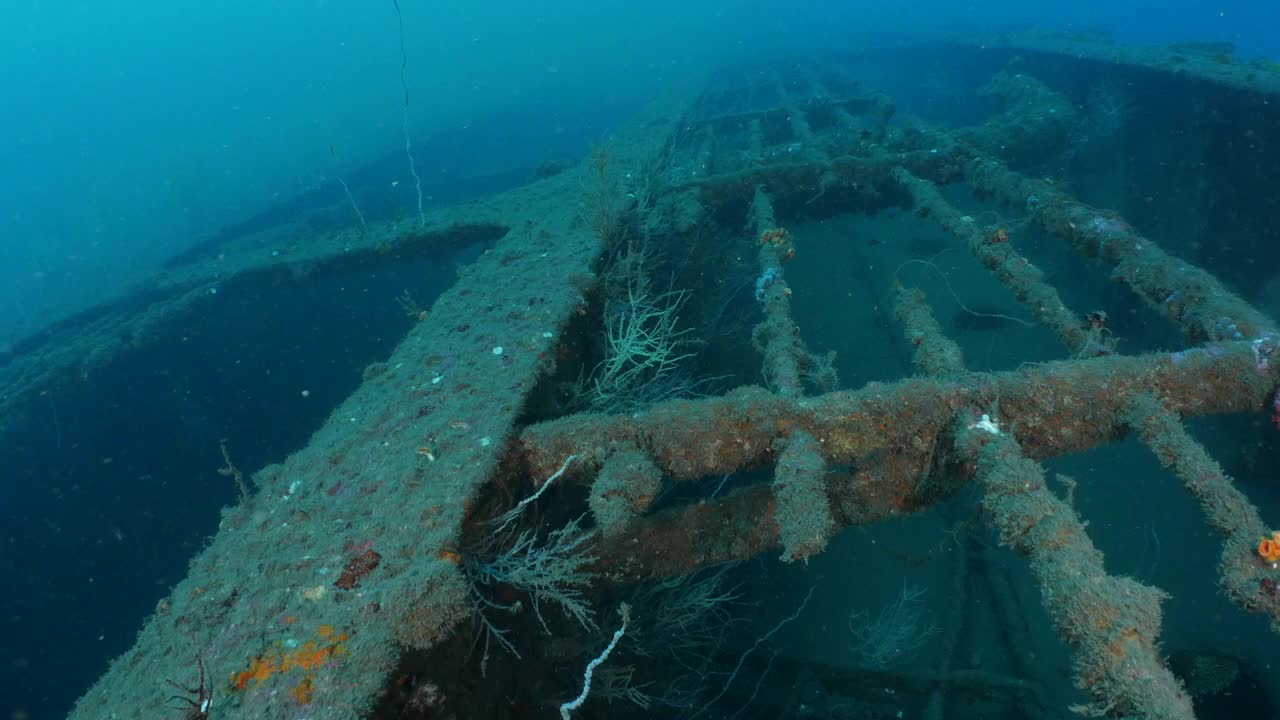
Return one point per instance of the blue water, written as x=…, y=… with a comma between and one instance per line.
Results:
x=137, y=127
x=131, y=132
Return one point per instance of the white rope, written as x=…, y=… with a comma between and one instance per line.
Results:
x=574, y=704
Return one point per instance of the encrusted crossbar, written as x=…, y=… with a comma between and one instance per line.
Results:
x=381, y=515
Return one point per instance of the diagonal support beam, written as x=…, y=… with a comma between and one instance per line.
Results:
x=1112, y=623
x=1246, y=578
x=1178, y=290
x=1015, y=272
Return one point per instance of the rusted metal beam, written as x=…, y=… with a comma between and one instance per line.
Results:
x=1178, y=290
x=1112, y=623
x=990, y=245
x=1247, y=569
x=888, y=436
x=1056, y=408
x=935, y=353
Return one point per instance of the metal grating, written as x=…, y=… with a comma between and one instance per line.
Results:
x=756, y=149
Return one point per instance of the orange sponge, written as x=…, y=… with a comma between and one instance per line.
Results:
x=1269, y=547
x=308, y=658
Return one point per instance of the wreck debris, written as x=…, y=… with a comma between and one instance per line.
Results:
x=839, y=458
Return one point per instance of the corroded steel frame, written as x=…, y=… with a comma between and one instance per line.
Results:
x=432, y=421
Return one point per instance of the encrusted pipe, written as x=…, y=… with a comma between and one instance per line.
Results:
x=1015, y=272
x=1112, y=623
x=624, y=489
x=776, y=336
x=743, y=524
x=803, y=512
x=935, y=353
x=1182, y=292
x=1247, y=578
x=1058, y=407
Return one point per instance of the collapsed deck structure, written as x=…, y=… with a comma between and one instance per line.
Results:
x=379, y=539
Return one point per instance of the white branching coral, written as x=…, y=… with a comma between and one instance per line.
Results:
x=893, y=635
x=643, y=351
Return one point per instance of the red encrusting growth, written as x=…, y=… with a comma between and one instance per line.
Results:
x=357, y=568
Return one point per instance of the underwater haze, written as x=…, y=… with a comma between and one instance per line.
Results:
x=138, y=129
x=143, y=139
